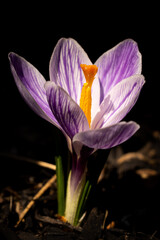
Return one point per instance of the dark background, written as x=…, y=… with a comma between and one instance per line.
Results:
x=33, y=31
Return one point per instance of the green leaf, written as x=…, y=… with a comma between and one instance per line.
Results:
x=82, y=201
x=60, y=185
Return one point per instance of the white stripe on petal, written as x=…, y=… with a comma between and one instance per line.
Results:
x=118, y=102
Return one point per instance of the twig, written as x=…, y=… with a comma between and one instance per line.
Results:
x=39, y=194
x=104, y=221
x=153, y=234
x=25, y=159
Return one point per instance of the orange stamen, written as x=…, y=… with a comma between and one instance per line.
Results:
x=86, y=99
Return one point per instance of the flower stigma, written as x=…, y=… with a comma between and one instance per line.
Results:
x=86, y=98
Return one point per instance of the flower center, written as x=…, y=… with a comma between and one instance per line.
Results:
x=86, y=98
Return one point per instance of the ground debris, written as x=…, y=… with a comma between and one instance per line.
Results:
x=128, y=188
x=92, y=229
x=116, y=234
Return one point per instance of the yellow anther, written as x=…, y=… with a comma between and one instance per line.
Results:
x=86, y=99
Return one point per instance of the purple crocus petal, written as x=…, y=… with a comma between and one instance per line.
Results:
x=31, y=86
x=104, y=138
x=65, y=68
x=122, y=61
x=67, y=112
x=66, y=72
x=118, y=102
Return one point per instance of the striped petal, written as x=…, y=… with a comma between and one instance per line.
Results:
x=122, y=61
x=118, y=102
x=66, y=111
x=65, y=68
x=31, y=86
x=104, y=138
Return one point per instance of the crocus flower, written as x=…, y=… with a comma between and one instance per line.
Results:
x=86, y=102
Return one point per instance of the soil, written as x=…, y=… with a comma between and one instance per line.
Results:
x=125, y=204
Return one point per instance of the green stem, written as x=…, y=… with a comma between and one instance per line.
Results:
x=73, y=198
x=60, y=185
